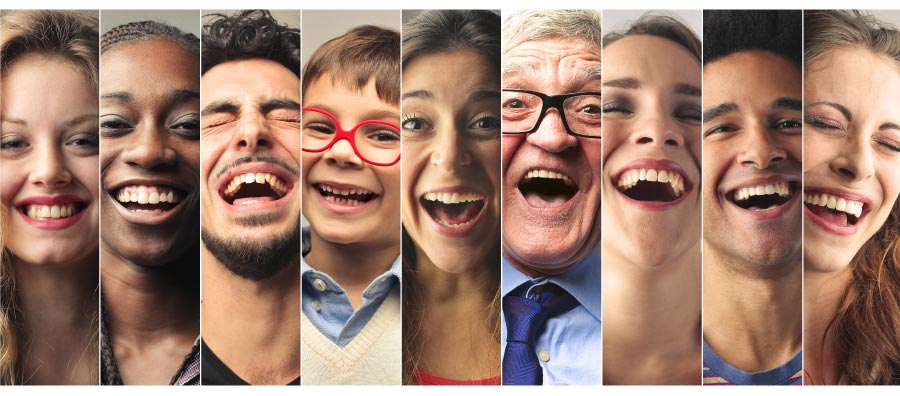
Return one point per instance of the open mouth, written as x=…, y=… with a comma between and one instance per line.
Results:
x=147, y=199
x=835, y=210
x=51, y=212
x=541, y=187
x=763, y=197
x=651, y=185
x=344, y=196
x=453, y=210
x=252, y=188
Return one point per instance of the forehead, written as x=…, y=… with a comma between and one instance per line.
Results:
x=854, y=75
x=346, y=103
x=561, y=63
x=651, y=59
x=29, y=81
x=149, y=64
x=249, y=81
x=751, y=77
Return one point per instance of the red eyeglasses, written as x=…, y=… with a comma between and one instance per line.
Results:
x=376, y=142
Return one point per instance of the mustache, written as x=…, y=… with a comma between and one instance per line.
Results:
x=271, y=159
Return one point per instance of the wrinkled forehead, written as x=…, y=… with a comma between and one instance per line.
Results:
x=553, y=65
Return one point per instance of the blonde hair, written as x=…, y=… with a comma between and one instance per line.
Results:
x=72, y=36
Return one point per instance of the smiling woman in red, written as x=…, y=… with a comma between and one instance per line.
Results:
x=49, y=148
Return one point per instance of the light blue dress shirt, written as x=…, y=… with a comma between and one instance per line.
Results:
x=570, y=348
x=329, y=309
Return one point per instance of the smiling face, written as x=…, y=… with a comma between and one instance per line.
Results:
x=852, y=156
x=551, y=179
x=150, y=162
x=49, y=147
x=250, y=162
x=345, y=199
x=651, y=148
x=751, y=162
x=451, y=154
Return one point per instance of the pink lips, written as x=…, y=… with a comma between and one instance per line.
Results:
x=51, y=224
x=829, y=226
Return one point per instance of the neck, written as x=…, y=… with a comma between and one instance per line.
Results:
x=822, y=296
x=353, y=266
x=440, y=287
x=656, y=307
x=245, y=319
x=142, y=302
x=53, y=300
x=752, y=322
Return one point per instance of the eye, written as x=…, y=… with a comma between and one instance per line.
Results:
x=615, y=108
x=187, y=126
x=888, y=143
x=513, y=104
x=689, y=114
x=113, y=126
x=384, y=135
x=724, y=128
x=319, y=127
x=12, y=144
x=789, y=126
x=87, y=142
x=414, y=123
x=823, y=123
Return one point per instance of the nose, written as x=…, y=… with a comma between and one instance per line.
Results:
x=657, y=130
x=760, y=149
x=854, y=161
x=148, y=149
x=342, y=154
x=450, y=151
x=551, y=135
x=254, y=134
x=51, y=170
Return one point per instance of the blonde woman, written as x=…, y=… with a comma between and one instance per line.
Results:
x=49, y=148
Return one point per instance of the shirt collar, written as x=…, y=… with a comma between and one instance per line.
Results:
x=396, y=269
x=582, y=281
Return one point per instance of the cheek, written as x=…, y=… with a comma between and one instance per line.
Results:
x=189, y=153
x=307, y=162
x=510, y=145
x=211, y=149
x=85, y=170
x=818, y=151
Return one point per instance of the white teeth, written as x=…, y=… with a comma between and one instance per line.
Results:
x=631, y=177
x=47, y=212
x=344, y=192
x=454, y=198
x=781, y=188
x=343, y=201
x=147, y=195
x=839, y=204
x=547, y=174
x=261, y=178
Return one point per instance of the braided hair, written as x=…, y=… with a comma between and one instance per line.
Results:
x=148, y=30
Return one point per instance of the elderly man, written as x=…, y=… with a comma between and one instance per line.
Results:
x=551, y=197
x=752, y=123
x=250, y=163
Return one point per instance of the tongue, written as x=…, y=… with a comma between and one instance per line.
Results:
x=251, y=200
x=830, y=215
x=456, y=213
x=538, y=199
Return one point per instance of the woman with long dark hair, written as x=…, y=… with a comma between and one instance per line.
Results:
x=451, y=198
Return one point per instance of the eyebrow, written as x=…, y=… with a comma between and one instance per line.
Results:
x=17, y=121
x=788, y=104
x=624, y=83
x=483, y=94
x=279, y=104
x=688, y=89
x=889, y=125
x=418, y=94
x=180, y=95
x=119, y=96
x=845, y=111
x=719, y=110
x=221, y=106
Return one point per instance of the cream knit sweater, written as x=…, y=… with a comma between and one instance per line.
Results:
x=372, y=358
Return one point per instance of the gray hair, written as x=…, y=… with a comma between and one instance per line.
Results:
x=531, y=25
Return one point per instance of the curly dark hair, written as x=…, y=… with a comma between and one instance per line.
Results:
x=728, y=31
x=250, y=34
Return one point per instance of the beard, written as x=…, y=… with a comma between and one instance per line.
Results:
x=251, y=260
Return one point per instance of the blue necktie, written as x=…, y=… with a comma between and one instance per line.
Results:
x=525, y=319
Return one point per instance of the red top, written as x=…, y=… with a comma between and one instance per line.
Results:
x=423, y=378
